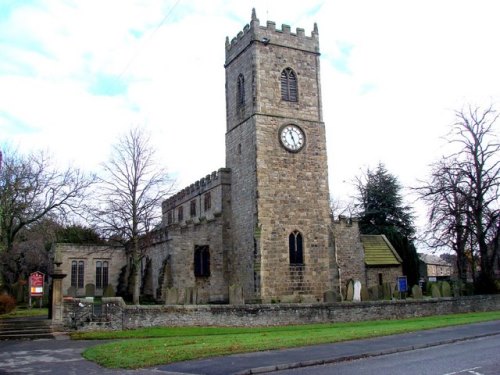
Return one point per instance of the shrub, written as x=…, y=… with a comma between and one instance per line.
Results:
x=7, y=303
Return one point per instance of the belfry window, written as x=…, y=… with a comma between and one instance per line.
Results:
x=240, y=100
x=201, y=261
x=295, y=248
x=288, y=85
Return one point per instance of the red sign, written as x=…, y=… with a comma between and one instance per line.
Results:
x=36, y=284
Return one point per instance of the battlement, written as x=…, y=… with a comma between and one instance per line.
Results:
x=268, y=34
x=210, y=181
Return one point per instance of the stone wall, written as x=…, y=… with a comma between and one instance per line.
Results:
x=349, y=251
x=130, y=317
x=389, y=275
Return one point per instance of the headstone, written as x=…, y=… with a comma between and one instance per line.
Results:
x=456, y=287
x=357, y=291
x=445, y=289
x=330, y=296
x=435, y=293
x=364, y=293
x=90, y=290
x=374, y=293
x=236, y=295
x=290, y=298
x=190, y=296
x=387, y=291
x=71, y=291
x=172, y=297
x=350, y=291
x=109, y=291
x=416, y=292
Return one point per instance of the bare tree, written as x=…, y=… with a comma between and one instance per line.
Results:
x=449, y=224
x=131, y=194
x=32, y=189
x=464, y=188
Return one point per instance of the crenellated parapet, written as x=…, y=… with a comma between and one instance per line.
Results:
x=209, y=182
x=270, y=35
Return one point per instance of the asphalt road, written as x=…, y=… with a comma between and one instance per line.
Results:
x=62, y=356
x=472, y=357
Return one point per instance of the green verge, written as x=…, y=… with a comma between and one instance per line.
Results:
x=162, y=345
x=20, y=312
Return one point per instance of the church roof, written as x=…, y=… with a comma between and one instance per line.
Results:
x=379, y=251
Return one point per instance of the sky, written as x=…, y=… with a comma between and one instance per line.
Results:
x=76, y=75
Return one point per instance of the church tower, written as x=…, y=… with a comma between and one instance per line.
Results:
x=276, y=151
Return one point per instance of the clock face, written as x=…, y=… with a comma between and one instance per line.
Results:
x=292, y=138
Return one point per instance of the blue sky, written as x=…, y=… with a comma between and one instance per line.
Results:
x=74, y=75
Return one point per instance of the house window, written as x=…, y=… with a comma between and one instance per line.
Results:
x=295, y=248
x=180, y=214
x=192, y=208
x=101, y=274
x=207, y=201
x=288, y=85
x=201, y=261
x=240, y=100
x=77, y=273
x=380, y=279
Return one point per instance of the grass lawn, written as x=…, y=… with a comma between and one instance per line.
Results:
x=161, y=345
x=22, y=312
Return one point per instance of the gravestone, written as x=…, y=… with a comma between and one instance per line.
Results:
x=435, y=293
x=416, y=292
x=109, y=291
x=357, y=291
x=374, y=293
x=90, y=290
x=330, y=296
x=236, y=295
x=350, y=291
x=190, y=296
x=172, y=297
x=445, y=289
x=387, y=291
x=364, y=293
x=71, y=291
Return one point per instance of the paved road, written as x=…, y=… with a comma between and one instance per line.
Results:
x=472, y=357
x=63, y=357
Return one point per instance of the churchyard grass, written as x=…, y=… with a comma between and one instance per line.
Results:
x=161, y=345
x=23, y=312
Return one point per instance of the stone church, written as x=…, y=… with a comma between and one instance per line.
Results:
x=262, y=224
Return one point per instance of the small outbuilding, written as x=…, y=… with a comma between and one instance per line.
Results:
x=382, y=262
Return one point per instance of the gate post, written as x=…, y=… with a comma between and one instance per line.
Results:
x=57, y=292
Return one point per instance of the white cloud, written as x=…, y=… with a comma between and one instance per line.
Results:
x=392, y=74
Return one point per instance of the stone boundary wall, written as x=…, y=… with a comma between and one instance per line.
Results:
x=129, y=317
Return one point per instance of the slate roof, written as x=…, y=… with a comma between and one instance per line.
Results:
x=379, y=251
x=433, y=259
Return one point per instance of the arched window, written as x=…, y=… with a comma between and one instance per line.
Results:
x=289, y=85
x=295, y=248
x=240, y=100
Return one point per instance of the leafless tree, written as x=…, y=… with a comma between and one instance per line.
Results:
x=131, y=193
x=31, y=189
x=449, y=224
x=463, y=190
